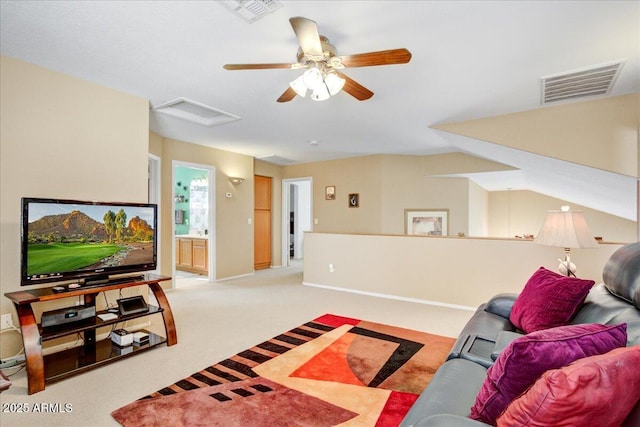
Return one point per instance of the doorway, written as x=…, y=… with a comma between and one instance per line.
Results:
x=297, y=217
x=193, y=222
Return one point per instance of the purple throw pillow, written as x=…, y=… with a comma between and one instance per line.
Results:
x=523, y=361
x=548, y=300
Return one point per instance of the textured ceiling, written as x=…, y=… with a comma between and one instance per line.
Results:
x=471, y=59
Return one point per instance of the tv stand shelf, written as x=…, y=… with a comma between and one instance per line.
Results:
x=44, y=369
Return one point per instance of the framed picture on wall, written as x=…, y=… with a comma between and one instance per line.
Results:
x=354, y=200
x=330, y=192
x=426, y=222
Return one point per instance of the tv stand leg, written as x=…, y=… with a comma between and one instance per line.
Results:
x=90, y=335
x=32, y=348
x=167, y=315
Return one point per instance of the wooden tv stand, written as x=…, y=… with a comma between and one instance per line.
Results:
x=56, y=366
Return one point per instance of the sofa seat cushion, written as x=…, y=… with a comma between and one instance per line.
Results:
x=524, y=360
x=452, y=390
x=548, y=300
x=593, y=391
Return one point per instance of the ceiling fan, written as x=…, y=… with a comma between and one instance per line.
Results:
x=322, y=77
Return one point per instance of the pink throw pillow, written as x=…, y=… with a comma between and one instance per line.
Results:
x=523, y=361
x=594, y=391
x=548, y=299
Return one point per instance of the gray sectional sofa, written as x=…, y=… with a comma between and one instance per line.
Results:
x=448, y=398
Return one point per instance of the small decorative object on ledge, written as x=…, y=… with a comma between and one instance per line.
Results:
x=354, y=200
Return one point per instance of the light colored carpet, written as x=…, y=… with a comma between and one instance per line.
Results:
x=214, y=321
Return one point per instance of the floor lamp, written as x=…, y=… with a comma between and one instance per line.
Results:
x=566, y=229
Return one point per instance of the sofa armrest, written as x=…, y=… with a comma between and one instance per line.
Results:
x=447, y=420
x=501, y=304
x=503, y=339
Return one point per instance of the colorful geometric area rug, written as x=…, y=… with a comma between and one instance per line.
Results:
x=330, y=371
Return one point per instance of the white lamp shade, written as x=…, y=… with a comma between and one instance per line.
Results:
x=320, y=93
x=334, y=83
x=312, y=78
x=566, y=230
x=299, y=86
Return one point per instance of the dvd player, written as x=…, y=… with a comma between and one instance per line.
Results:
x=64, y=316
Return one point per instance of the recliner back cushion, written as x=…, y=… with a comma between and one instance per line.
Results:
x=601, y=306
x=621, y=273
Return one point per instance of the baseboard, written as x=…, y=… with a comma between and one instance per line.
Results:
x=394, y=297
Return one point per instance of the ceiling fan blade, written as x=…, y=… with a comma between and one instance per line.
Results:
x=307, y=33
x=383, y=57
x=288, y=95
x=355, y=89
x=258, y=66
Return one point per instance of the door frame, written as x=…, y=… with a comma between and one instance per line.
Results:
x=155, y=196
x=211, y=178
x=286, y=206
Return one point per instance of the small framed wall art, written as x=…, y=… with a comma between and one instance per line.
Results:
x=354, y=200
x=330, y=192
x=426, y=222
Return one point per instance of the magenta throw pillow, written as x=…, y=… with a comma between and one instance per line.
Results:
x=548, y=300
x=523, y=361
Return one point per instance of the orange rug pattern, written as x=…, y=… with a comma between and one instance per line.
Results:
x=331, y=371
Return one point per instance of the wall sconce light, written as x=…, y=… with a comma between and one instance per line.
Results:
x=235, y=180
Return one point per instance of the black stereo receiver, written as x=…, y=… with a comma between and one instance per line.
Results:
x=64, y=316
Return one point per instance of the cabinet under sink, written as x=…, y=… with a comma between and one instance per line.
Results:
x=192, y=254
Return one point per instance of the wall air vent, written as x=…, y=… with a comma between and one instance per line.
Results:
x=251, y=10
x=580, y=83
x=195, y=112
x=277, y=160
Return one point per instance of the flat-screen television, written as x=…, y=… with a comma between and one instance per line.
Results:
x=86, y=242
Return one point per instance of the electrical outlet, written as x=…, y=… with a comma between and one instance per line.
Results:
x=332, y=268
x=5, y=321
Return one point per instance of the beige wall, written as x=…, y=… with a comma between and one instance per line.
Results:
x=601, y=133
x=457, y=271
x=67, y=138
x=355, y=175
x=389, y=184
x=233, y=233
x=516, y=213
x=478, y=211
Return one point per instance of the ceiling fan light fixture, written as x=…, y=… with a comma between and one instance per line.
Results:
x=299, y=86
x=321, y=93
x=313, y=78
x=334, y=83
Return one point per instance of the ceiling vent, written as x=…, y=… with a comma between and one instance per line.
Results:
x=277, y=160
x=252, y=10
x=195, y=112
x=581, y=83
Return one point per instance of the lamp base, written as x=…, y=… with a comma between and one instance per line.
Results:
x=566, y=267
